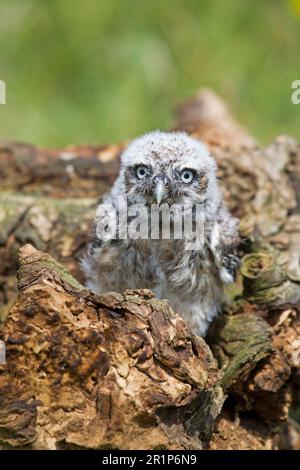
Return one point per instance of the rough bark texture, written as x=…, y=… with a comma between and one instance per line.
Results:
x=122, y=370
x=111, y=371
x=58, y=226
x=76, y=171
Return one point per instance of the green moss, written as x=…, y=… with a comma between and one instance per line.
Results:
x=62, y=272
x=240, y=342
x=265, y=282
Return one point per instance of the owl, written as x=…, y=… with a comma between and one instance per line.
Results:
x=161, y=171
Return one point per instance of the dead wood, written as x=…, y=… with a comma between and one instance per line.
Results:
x=110, y=371
x=122, y=370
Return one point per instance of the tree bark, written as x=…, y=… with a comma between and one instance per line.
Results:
x=123, y=371
x=110, y=371
x=75, y=171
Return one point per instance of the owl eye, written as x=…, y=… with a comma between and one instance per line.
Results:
x=187, y=176
x=141, y=172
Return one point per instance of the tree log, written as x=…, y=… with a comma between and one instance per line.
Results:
x=58, y=226
x=206, y=117
x=264, y=194
x=76, y=171
x=110, y=371
x=122, y=370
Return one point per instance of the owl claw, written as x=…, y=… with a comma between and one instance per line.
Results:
x=230, y=265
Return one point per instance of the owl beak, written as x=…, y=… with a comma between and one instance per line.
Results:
x=161, y=188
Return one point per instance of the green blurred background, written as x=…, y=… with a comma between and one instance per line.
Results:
x=102, y=71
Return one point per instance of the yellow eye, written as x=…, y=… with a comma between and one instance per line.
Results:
x=141, y=172
x=187, y=176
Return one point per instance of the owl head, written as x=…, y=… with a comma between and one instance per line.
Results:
x=166, y=167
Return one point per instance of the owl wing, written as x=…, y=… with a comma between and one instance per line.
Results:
x=224, y=240
x=99, y=239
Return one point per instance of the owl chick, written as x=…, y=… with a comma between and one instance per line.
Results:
x=168, y=169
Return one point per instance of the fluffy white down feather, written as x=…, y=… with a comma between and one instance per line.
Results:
x=191, y=280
